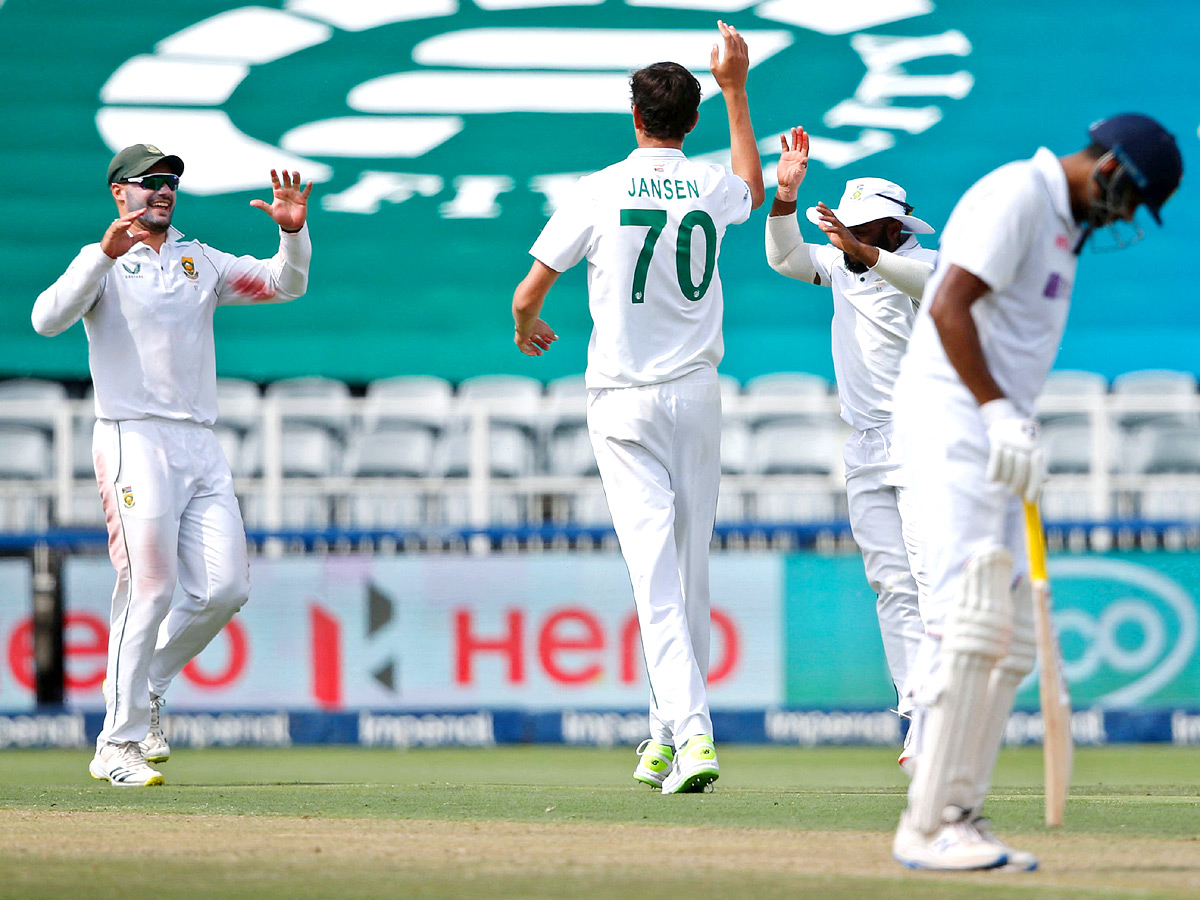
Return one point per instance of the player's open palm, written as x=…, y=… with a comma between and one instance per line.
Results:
x=289, y=205
x=122, y=234
x=793, y=163
x=733, y=69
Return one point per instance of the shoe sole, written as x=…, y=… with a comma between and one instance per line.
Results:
x=648, y=780
x=694, y=783
x=158, y=759
x=913, y=864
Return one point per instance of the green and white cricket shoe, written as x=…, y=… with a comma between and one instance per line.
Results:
x=695, y=767
x=654, y=763
x=124, y=766
x=155, y=747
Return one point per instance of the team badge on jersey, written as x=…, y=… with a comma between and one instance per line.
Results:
x=127, y=497
x=189, y=267
x=132, y=270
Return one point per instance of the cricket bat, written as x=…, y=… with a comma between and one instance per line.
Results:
x=1057, y=747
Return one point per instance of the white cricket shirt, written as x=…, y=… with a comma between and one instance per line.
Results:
x=1014, y=230
x=650, y=228
x=872, y=324
x=149, y=319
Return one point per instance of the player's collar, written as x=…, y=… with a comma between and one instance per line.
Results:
x=642, y=152
x=1056, y=183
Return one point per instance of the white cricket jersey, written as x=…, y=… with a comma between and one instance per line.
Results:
x=1014, y=230
x=650, y=228
x=872, y=323
x=149, y=319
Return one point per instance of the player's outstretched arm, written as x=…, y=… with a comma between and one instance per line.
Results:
x=533, y=336
x=289, y=203
x=731, y=73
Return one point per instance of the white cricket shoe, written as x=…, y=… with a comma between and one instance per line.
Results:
x=695, y=767
x=908, y=757
x=155, y=747
x=654, y=762
x=124, y=766
x=1018, y=860
x=954, y=847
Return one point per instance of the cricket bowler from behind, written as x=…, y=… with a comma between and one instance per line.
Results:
x=147, y=297
x=650, y=228
x=876, y=271
x=979, y=355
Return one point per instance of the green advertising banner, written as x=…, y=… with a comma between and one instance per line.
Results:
x=1128, y=625
x=440, y=133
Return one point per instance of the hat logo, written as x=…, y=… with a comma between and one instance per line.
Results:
x=189, y=267
x=150, y=148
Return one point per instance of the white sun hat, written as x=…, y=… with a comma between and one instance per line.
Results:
x=868, y=199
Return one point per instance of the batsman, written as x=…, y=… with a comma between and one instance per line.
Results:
x=964, y=404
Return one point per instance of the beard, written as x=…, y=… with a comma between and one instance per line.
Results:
x=885, y=243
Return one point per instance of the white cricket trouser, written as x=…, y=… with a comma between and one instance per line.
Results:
x=658, y=448
x=172, y=517
x=945, y=449
x=882, y=520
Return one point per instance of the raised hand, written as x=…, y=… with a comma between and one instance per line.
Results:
x=732, y=71
x=537, y=341
x=289, y=206
x=119, y=238
x=793, y=164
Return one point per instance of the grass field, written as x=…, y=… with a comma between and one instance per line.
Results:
x=555, y=822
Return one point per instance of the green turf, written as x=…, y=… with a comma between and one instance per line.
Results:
x=1144, y=790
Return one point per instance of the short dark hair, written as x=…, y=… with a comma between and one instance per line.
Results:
x=667, y=95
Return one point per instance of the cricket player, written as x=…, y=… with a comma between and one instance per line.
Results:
x=980, y=352
x=650, y=228
x=876, y=271
x=146, y=296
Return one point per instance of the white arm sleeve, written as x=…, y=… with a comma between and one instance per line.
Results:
x=286, y=273
x=904, y=274
x=787, y=253
x=74, y=293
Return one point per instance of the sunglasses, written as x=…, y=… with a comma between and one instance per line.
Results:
x=154, y=182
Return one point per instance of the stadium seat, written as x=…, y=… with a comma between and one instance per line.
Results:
x=788, y=448
x=230, y=440
x=510, y=453
x=423, y=400
x=454, y=509
x=239, y=404
x=567, y=399
x=38, y=401
x=737, y=456
x=804, y=396
x=1169, y=396
x=570, y=453
x=82, y=465
x=395, y=451
x=385, y=510
x=307, y=451
x=1069, y=387
x=1162, y=449
x=1067, y=444
x=325, y=401
x=24, y=452
x=512, y=399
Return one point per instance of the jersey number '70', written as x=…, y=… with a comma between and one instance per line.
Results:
x=655, y=220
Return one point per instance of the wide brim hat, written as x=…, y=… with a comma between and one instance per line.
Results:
x=869, y=199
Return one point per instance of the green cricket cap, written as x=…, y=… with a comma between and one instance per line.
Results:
x=136, y=160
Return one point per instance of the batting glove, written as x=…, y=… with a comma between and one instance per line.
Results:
x=1015, y=459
